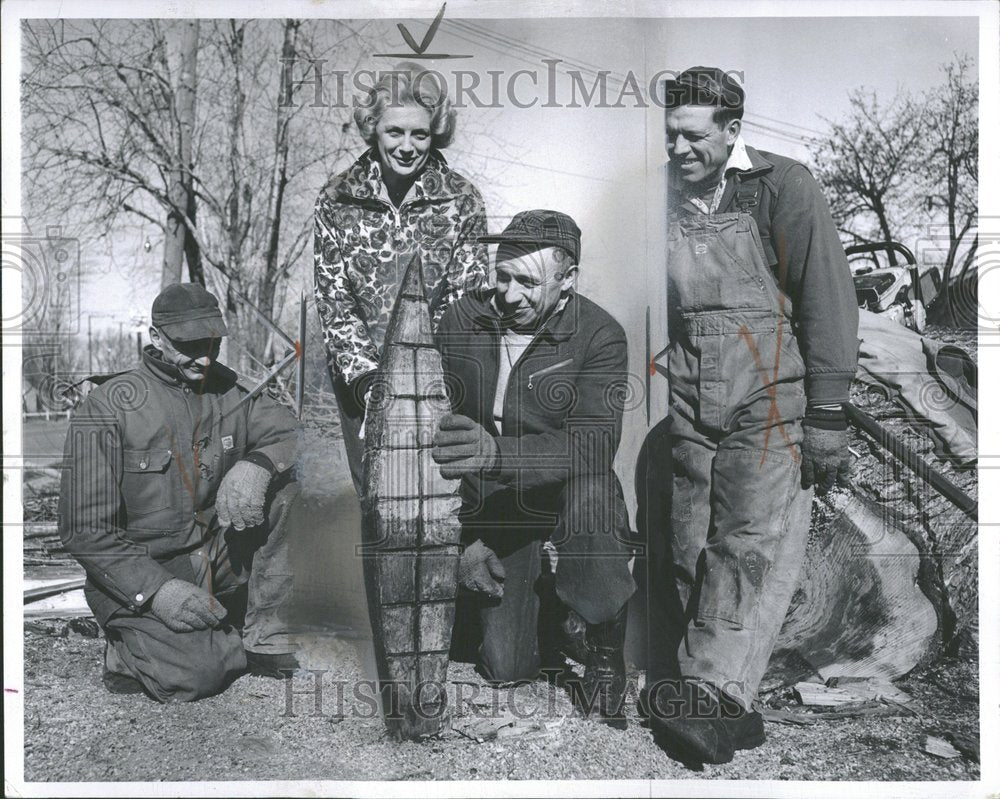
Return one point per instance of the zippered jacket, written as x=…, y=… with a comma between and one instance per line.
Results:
x=363, y=244
x=145, y=454
x=801, y=246
x=562, y=413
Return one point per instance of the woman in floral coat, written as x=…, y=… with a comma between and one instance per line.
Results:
x=399, y=198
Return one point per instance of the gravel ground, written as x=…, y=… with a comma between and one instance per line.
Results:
x=75, y=730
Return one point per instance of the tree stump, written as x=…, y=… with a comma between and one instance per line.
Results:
x=858, y=611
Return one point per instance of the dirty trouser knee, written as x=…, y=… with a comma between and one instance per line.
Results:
x=174, y=667
x=740, y=524
x=258, y=558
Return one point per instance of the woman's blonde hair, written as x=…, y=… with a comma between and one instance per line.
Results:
x=408, y=84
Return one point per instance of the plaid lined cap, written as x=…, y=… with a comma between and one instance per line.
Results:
x=186, y=312
x=542, y=228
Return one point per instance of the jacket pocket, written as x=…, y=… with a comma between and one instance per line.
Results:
x=146, y=481
x=546, y=370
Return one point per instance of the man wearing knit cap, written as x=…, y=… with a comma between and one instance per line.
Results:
x=763, y=347
x=175, y=487
x=538, y=375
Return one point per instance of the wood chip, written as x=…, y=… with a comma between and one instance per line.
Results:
x=939, y=747
x=810, y=693
x=869, y=688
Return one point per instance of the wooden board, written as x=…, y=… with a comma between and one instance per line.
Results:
x=410, y=527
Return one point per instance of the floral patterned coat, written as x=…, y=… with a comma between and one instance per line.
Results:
x=358, y=236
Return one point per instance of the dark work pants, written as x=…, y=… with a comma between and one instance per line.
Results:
x=590, y=531
x=180, y=667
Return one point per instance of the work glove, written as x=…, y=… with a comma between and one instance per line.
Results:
x=825, y=457
x=462, y=446
x=184, y=607
x=480, y=570
x=240, y=498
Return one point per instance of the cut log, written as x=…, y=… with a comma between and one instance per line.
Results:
x=858, y=611
x=410, y=525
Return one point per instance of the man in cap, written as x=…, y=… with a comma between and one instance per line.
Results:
x=763, y=347
x=175, y=487
x=538, y=377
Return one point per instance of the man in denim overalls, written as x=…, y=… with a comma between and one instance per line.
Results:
x=763, y=346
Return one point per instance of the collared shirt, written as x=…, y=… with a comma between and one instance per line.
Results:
x=513, y=345
x=738, y=160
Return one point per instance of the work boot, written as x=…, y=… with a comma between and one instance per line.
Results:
x=602, y=690
x=747, y=731
x=746, y=727
x=277, y=666
x=687, y=721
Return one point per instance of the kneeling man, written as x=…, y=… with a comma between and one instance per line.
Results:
x=537, y=374
x=175, y=488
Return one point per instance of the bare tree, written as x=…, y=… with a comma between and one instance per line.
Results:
x=869, y=164
x=895, y=172
x=952, y=181
x=108, y=350
x=101, y=112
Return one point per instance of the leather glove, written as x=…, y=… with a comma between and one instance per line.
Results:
x=825, y=457
x=480, y=570
x=462, y=446
x=240, y=498
x=184, y=607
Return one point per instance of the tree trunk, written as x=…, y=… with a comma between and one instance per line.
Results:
x=179, y=190
x=276, y=195
x=196, y=270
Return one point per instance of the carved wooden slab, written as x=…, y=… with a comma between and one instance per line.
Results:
x=410, y=522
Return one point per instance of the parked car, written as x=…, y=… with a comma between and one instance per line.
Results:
x=901, y=292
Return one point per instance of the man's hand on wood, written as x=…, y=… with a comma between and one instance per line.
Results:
x=184, y=607
x=462, y=446
x=240, y=499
